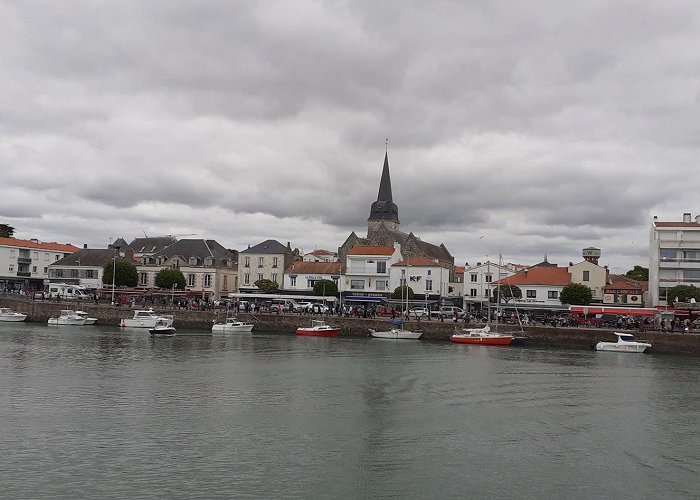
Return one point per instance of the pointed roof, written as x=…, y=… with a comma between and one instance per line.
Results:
x=384, y=208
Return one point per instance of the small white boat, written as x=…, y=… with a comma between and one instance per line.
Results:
x=482, y=336
x=7, y=314
x=625, y=343
x=88, y=320
x=232, y=325
x=67, y=317
x=396, y=333
x=146, y=319
x=162, y=330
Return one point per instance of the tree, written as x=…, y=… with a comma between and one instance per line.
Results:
x=639, y=273
x=403, y=291
x=509, y=292
x=7, y=231
x=683, y=293
x=576, y=294
x=166, y=278
x=325, y=288
x=267, y=286
x=126, y=274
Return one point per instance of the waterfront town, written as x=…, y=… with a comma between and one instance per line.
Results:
x=366, y=271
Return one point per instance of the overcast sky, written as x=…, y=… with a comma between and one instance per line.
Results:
x=521, y=128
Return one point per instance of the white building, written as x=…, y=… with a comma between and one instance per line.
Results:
x=367, y=272
x=426, y=277
x=86, y=266
x=674, y=256
x=301, y=276
x=477, y=282
x=540, y=287
x=321, y=256
x=266, y=260
x=592, y=275
x=24, y=264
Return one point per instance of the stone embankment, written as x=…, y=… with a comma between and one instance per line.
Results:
x=540, y=336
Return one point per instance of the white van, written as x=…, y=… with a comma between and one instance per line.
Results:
x=66, y=291
x=283, y=305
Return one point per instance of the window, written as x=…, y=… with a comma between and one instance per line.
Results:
x=357, y=284
x=12, y=252
x=46, y=270
x=531, y=294
x=428, y=285
x=472, y=292
x=487, y=292
x=381, y=267
x=207, y=280
x=246, y=279
x=225, y=282
x=260, y=276
x=11, y=268
x=46, y=256
x=668, y=254
x=691, y=275
x=274, y=276
x=274, y=264
x=75, y=273
x=247, y=262
x=429, y=271
x=586, y=276
x=691, y=255
x=261, y=261
x=191, y=279
x=143, y=279
x=293, y=281
x=57, y=257
x=34, y=269
x=489, y=278
x=381, y=285
x=36, y=255
x=474, y=278
x=450, y=289
x=552, y=294
x=89, y=273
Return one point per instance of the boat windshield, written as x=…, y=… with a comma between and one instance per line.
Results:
x=627, y=338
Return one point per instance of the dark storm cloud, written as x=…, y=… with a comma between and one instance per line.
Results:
x=537, y=129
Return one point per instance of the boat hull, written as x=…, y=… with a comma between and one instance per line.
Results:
x=12, y=318
x=66, y=321
x=500, y=340
x=627, y=347
x=168, y=331
x=142, y=323
x=311, y=332
x=232, y=329
x=396, y=334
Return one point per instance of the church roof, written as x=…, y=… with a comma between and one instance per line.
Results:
x=384, y=208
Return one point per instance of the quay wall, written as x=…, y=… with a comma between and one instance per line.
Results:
x=541, y=336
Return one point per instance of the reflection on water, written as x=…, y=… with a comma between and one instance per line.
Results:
x=103, y=412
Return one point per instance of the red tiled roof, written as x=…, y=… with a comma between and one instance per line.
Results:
x=371, y=250
x=302, y=267
x=459, y=269
x=556, y=276
x=418, y=262
x=56, y=247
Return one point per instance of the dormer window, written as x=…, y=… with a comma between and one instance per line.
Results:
x=193, y=261
x=209, y=262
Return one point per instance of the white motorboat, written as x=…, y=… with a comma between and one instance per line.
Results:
x=67, y=317
x=162, y=329
x=7, y=314
x=625, y=343
x=396, y=333
x=88, y=320
x=483, y=336
x=232, y=325
x=146, y=319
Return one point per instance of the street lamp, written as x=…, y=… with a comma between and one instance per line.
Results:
x=114, y=270
x=78, y=262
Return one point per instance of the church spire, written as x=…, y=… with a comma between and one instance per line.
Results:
x=384, y=212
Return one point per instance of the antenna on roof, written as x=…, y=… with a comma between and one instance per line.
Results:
x=387, y=145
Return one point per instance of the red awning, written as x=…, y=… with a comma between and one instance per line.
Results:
x=625, y=311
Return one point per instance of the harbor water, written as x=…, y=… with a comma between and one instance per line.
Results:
x=89, y=412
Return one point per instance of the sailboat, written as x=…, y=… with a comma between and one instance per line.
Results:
x=484, y=335
x=398, y=333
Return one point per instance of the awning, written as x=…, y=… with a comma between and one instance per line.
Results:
x=624, y=311
x=363, y=299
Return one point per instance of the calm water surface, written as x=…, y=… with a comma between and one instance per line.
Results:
x=96, y=412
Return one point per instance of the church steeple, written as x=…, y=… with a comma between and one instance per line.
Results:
x=384, y=212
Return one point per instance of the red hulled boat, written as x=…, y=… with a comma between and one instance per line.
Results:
x=319, y=328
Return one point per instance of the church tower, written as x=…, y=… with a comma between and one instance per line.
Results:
x=384, y=212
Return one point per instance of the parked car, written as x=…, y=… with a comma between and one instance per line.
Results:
x=387, y=311
x=448, y=312
x=317, y=308
x=418, y=312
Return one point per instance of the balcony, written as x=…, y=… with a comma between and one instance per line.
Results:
x=24, y=260
x=24, y=274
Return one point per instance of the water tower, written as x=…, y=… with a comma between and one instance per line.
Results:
x=591, y=254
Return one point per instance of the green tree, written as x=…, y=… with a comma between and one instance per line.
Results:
x=325, y=288
x=509, y=292
x=639, y=273
x=166, y=278
x=7, y=231
x=683, y=293
x=126, y=274
x=401, y=292
x=267, y=286
x=576, y=294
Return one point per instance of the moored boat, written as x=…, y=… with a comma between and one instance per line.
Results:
x=319, y=328
x=482, y=336
x=7, y=314
x=625, y=343
x=146, y=319
x=88, y=320
x=396, y=333
x=66, y=317
x=232, y=325
x=162, y=331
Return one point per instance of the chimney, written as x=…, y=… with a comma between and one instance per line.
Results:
x=686, y=217
x=289, y=245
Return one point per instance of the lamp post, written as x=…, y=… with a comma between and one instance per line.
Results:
x=78, y=262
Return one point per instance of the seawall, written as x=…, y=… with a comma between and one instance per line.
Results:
x=541, y=336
